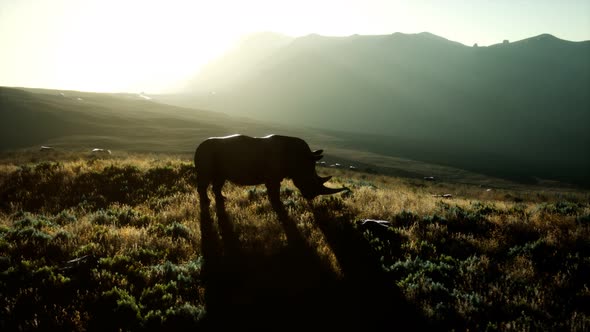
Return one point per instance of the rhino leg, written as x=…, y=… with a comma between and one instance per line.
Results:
x=203, y=198
x=217, y=186
x=274, y=195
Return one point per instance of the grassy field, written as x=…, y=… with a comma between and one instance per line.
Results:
x=119, y=243
x=77, y=122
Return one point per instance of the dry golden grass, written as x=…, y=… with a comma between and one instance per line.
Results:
x=138, y=216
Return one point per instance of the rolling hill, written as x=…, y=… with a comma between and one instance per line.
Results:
x=517, y=109
x=73, y=122
x=132, y=122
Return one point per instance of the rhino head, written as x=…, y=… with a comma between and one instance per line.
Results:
x=310, y=183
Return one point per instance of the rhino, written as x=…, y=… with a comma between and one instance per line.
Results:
x=246, y=160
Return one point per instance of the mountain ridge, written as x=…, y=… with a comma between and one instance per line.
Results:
x=525, y=102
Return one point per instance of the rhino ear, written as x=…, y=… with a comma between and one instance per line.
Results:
x=317, y=155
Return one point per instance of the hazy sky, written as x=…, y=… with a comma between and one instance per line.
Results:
x=151, y=46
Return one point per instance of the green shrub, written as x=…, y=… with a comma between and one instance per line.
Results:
x=146, y=256
x=177, y=230
x=159, y=296
x=485, y=208
x=121, y=217
x=115, y=309
x=126, y=269
x=28, y=241
x=102, y=217
x=65, y=217
x=583, y=220
x=562, y=208
x=178, y=318
x=189, y=273
x=185, y=316
x=30, y=221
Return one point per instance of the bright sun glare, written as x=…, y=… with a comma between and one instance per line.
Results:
x=141, y=45
x=156, y=45
x=112, y=45
x=151, y=46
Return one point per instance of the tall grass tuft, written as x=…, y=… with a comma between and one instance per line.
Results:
x=119, y=244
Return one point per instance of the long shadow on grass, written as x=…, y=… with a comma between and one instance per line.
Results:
x=293, y=288
x=375, y=303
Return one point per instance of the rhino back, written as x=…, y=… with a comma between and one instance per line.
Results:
x=241, y=159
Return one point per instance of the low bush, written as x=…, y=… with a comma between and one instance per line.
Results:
x=119, y=245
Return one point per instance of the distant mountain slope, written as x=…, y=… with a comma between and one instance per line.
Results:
x=80, y=120
x=238, y=64
x=520, y=108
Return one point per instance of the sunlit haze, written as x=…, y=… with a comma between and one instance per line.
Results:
x=154, y=46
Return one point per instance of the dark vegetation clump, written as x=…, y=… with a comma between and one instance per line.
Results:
x=467, y=272
x=48, y=187
x=105, y=245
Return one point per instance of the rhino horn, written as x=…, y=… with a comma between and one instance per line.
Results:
x=329, y=191
x=326, y=190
